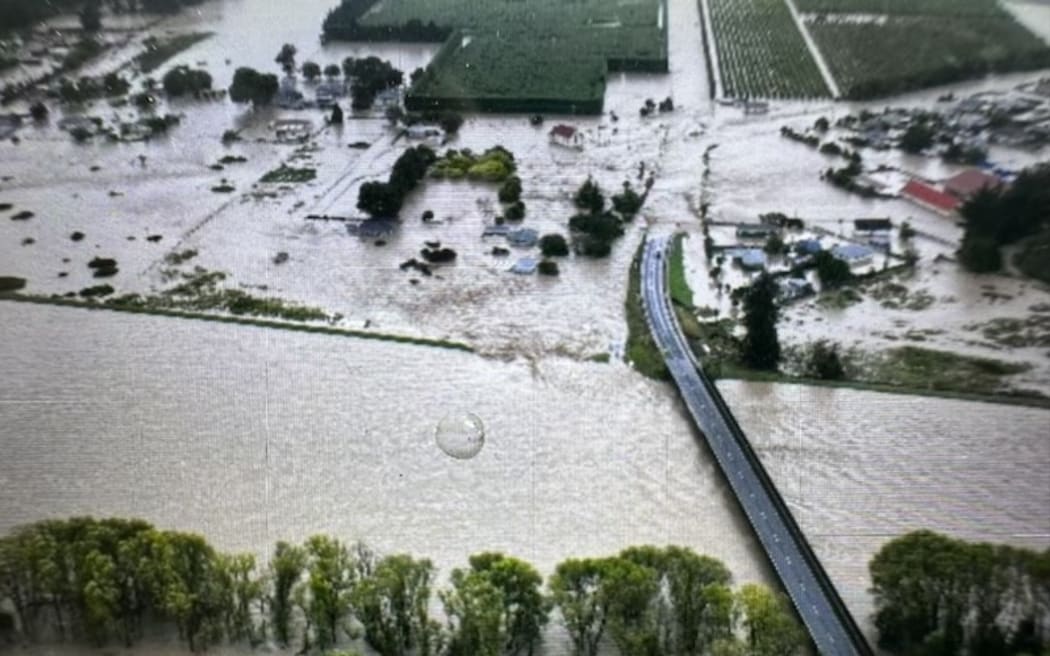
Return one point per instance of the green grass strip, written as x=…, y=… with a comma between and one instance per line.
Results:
x=244, y=321
x=641, y=350
x=733, y=371
x=680, y=291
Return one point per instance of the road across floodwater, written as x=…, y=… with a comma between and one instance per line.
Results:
x=829, y=622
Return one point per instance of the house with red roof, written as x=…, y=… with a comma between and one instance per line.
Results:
x=930, y=197
x=969, y=182
x=566, y=135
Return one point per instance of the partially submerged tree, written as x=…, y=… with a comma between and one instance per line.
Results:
x=286, y=58
x=252, y=86
x=91, y=16
x=392, y=604
x=311, y=71
x=761, y=345
x=589, y=197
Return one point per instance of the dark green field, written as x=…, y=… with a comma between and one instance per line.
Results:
x=761, y=53
x=901, y=46
x=507, y=55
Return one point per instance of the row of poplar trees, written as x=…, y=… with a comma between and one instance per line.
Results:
x=105, y=581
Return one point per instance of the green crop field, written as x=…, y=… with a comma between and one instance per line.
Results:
x=761, y=52
x=900, y=53
x=490, y=74
x=903, y=7
x=508, y=55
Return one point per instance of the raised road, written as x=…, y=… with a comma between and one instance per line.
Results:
x=829, y=622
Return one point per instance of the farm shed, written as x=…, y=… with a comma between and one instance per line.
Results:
x=930, y=198
x=969, y=182
x=808, y=246
x=752, y=259
x=853, y=254
x=525, y=265
x=871, y=226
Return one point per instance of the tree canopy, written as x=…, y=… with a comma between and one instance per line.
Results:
x=183, y=80
x=114, y=580
x=384, y=199
x=999, y=216
x=252, y=86
x=761, y=344
x=936, y=595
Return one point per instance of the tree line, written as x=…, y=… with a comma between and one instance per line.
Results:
x=936, y=595
x=342, y=24
x=19, y=14
x=1000, y=216
x=103, y=581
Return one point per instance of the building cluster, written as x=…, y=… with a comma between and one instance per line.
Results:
x=866, y=246
x=963, y=128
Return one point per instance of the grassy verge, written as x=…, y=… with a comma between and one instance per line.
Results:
x=680, y=292
x=240, y=320
x=641, y=350
x=157, y=52
x=918, y=368
x=912, y=371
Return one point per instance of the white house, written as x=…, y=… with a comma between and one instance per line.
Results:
x=567, y=136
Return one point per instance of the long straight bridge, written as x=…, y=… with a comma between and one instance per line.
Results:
x=829, y=622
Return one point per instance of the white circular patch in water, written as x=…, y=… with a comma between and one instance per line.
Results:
x=460, y=435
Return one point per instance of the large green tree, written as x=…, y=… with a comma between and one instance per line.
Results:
x=249, y=85
x=761, y=344
x=576, y=590
x=525, y=610
x=286, y=568
x=330, y=578
x=768, y=622
x=474, y=607
x=392, y=604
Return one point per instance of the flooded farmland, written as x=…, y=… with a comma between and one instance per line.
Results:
x=250, y=435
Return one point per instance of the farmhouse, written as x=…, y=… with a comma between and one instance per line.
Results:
x=923, y=194
x=807, y=246
x=755, y=231
x=794, y=288
x=853, y=254
x=523, y=238
x=567, y=136
x=525, y=265
x=969, y=182
x=876, y=231
x=751, y=259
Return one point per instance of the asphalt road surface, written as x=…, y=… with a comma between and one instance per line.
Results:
x=830, y=625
